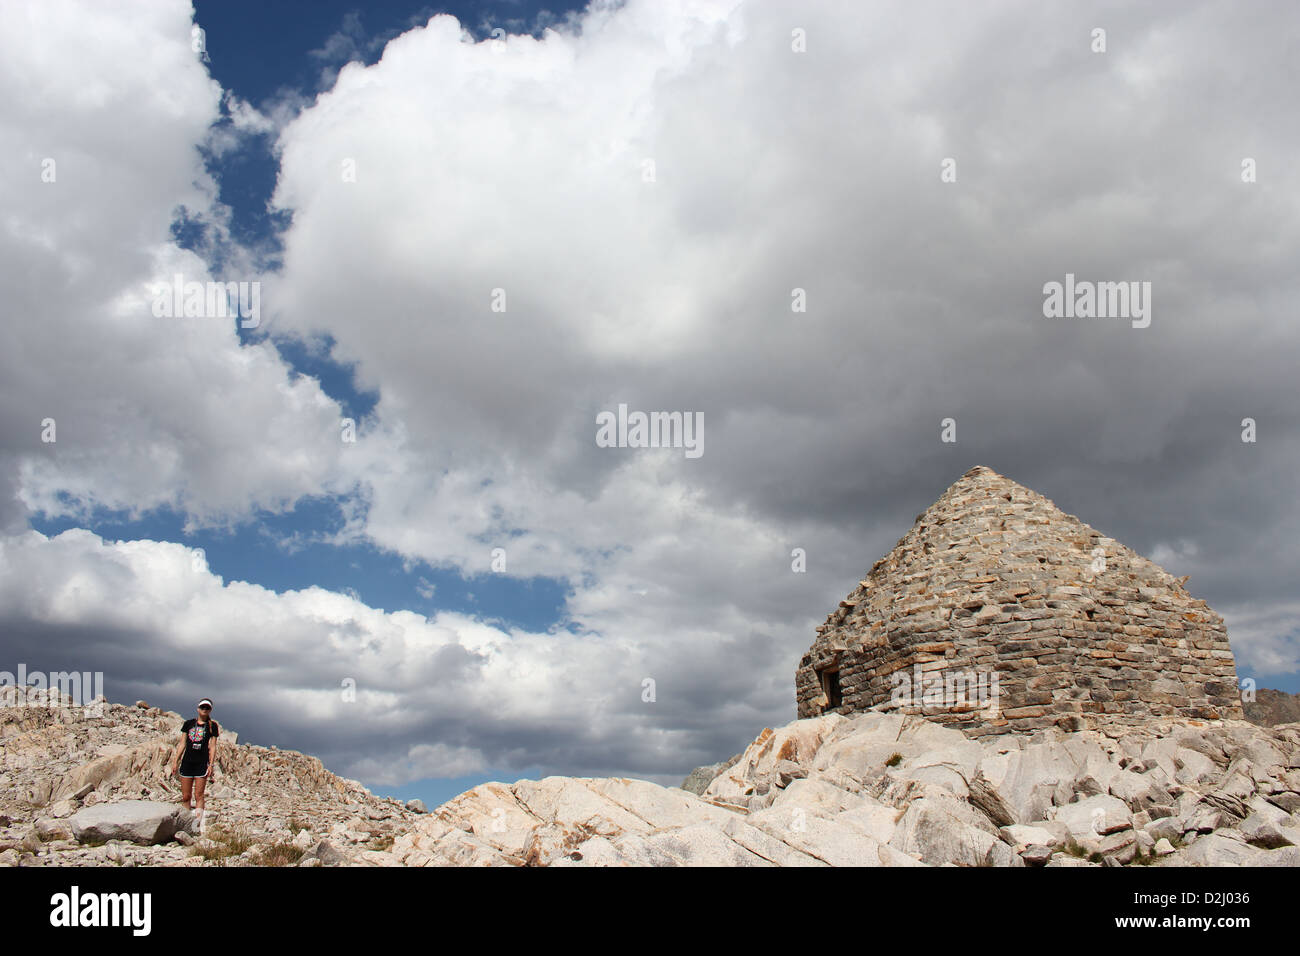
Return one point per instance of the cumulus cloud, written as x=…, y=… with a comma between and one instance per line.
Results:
x=384, y=696
x=648, y=192
x=1266, y=638
x=240, y=122
x=99, y=132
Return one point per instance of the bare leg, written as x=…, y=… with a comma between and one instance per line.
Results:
x=200, y=784
x=186, y=783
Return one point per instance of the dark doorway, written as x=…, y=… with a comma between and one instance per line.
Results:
x=831, y=688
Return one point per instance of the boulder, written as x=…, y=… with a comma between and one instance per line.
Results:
x=1031, y=781
x=1165, y=828
x=1064, y=859
x=1217, y=849
x=837, y=841
x=537, y=822
x=1287, y=801
x=454, y=848
x=698, y=780
x=1193, y=768
x=985, y=797
x=1231, y=795
x=866, y=745
x=52, y=829
x=1247, y=743
x=695, y=845
x=798, y=743
x=1161, y=753
x=1021, y=835
x=1094, y=777
x=767, y=845
x=1119, y=847
x=817, y=796
x=1145, y=841
x=950, y=767
x=942, y=830
x=136, y=821
x=875, y=820
x=1286, y=856
x=1207, y=741
x=63, y=808
x=416, y=806
x=328, y=854
x=787, y=771
x=1269, y=828
x=1138, y=791
x=1204, y=819
x=108, y=769
x=1095, y=817
x=38, y=793
x=1036, y=855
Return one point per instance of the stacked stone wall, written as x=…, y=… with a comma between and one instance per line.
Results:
x=1062, y=625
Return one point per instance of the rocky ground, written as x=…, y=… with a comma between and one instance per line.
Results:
x=892, y=790
x=265, y=805
x=871, y=790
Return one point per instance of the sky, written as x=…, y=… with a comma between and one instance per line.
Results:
x=372, y=516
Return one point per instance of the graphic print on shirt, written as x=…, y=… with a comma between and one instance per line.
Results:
x=197, y=734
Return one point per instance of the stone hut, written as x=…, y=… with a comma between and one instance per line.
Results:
x=998, y=612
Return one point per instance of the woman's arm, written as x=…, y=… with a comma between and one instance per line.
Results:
x=176, y=754
x=212, y=757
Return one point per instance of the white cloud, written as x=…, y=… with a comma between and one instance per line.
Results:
x=148, y=411
x=1266, y=639
x=437, y=696
x=520, y=167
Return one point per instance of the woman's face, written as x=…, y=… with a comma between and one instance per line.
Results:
x=204, y=712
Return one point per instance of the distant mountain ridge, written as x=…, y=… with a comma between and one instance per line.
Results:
x=1273, y=707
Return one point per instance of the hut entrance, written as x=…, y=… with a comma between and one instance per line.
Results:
x=831, y=688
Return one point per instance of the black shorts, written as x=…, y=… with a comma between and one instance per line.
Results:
x=194, y=769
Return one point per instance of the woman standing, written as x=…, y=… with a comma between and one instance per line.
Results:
x=197, y=756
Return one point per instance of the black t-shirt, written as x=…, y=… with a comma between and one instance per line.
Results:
x=197, y=736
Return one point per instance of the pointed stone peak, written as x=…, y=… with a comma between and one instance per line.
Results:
x=983, y=492
x=996, y=575
x=987, y=527
x=985, y=476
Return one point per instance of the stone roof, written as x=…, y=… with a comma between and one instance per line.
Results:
x=1067, y=625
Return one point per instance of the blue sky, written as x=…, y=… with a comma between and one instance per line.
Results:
x=470, y=247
